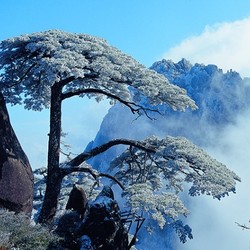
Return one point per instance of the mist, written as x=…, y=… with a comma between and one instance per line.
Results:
x=214, y=222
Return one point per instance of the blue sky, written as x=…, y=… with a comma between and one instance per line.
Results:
x=143, y=29
x=214, y=31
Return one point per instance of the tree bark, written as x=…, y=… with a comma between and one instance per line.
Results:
x=54, y=177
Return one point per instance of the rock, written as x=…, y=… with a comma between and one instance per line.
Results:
x=106, y=192
x=103, y=224
x=16, y=178
x=77, y=200
x=85, y=243
x=67, y=227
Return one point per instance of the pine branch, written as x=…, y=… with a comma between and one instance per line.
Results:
x=100, y=149
x=134, y=108
x=243, y=226
x=68, y=170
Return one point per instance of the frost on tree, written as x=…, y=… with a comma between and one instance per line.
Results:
x=43, y=69
x=153, y=180
x=84, y=65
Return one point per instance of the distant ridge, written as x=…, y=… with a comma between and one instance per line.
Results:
x=219, y=96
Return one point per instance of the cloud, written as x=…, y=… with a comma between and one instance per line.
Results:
x=214, y=222
x=224, y=44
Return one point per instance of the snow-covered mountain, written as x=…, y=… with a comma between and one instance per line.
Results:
x=219, y=96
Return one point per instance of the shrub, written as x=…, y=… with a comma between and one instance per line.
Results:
x=18, y=232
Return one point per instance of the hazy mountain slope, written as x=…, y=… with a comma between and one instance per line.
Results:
x=219, y=96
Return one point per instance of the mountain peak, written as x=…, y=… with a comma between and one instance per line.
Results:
x=170, y=69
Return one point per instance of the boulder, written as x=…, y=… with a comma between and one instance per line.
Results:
x=85, y=243
x=102, y=223
x=77, y=200
x=16, y=178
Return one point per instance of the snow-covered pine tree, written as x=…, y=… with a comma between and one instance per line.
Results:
x=43, y=69
x=154, y=180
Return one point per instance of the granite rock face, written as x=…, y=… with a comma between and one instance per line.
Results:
x=16, y=178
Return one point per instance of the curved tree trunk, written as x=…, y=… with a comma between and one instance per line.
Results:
x=54, y=177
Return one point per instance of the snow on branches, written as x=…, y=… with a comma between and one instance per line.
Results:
x=83, y=65
x=141, y=196
x=175, y=161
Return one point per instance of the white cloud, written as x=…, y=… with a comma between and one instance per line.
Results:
x=224, y=44
x=214, y=222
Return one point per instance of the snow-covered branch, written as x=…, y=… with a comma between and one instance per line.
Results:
x=134, y=107
x=176, y=161
x=102, y=148
x=78, y=61
x=67, y=169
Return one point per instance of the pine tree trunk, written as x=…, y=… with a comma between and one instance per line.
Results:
x=54, y=177
x=53, y=187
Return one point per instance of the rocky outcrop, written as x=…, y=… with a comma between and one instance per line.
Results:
x=220, y=96
x=77, y=200
x=101, y=228
x=16, y=178
x=102, y=224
